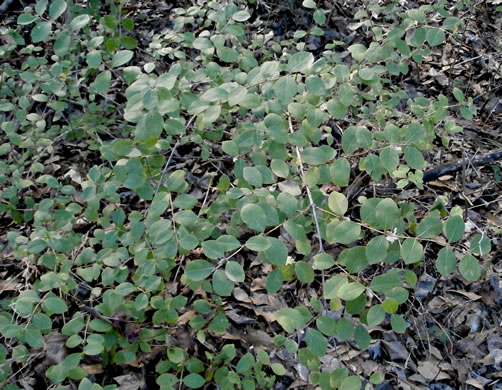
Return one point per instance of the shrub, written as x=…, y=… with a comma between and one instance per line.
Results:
x=120, y=254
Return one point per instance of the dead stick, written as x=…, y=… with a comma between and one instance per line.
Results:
x=445, y=169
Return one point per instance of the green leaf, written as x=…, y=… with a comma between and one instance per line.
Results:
x=414, y=157
x=357, y=51
x=164, y=381
x=93, y=58
x=454, y=228
x=254, y=217
x=54, y=305
x=323, y=261
x=390, y=305
x=317, y=343
x=362, y=337
x=338, y=203
x=382, y=283
x=279, y=168
x=344, y=329
x=340, y=172
x=446, y=262
x=387, y=214
x=56, y=373
x=73, y=326
x=376, y=315
x=228, y=242
x=80, y=21
x=175, y=183
x=176, y=355
x=215, y=94
x=399, y=294
x=290, y=319
x=469, y=268
x=198, y=270
x=36, y=246
x=389, y=158
x=41, y=32
x=221, y=284
x=286, y=89
x=412, y=251
x=337, y=108
x=342, y=73
x=102, y=82
x=346, y=95
x=410, y=277
x=159, y=204
x=418, y=37
x=24, y=19
x=274, y=281
x=356, y=137
x=318, y=156
x=134, y=181
x=430, y=226
x=253, y=176
x=377, y=249
x=300, y=62
x=234, y=272
x=33, y=337
x=304, y=272
x=333, y=284
x=57, y=8
x=41, y=6
x=398, y=323
x=343, y=232
x=226, y=54
x=452, y=23
x=481, y=245
x=258, y=243
x=202, y=43
x=213, y=249
x=326, y=325
x=122, y=57
x=315, y=86
x=350, y=291
x=309, y=4
x=230, y=147
x=354, y=259
x=194, y=381
x=62, y=44
x=276, y=254
x=278, y=369
x=366, y=73
x=435, y=36
x=241, y=16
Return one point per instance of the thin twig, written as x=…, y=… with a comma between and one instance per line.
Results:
x=309, y=194
x=164, y=170
x=312, y=204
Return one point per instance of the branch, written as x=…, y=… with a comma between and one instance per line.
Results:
x=445, y=169
x=309, y=194
x=5, y=5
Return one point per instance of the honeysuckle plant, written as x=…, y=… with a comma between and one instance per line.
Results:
x=121, y=247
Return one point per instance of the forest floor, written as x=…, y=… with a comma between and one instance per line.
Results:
x=454, y=338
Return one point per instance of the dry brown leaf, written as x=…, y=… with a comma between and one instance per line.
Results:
x=93, y=369
x=129, y=382
x=184, y=318
x=431, y=371
x=241, y=295
x=467, y=294
x=10, y=284
x=258, y=338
